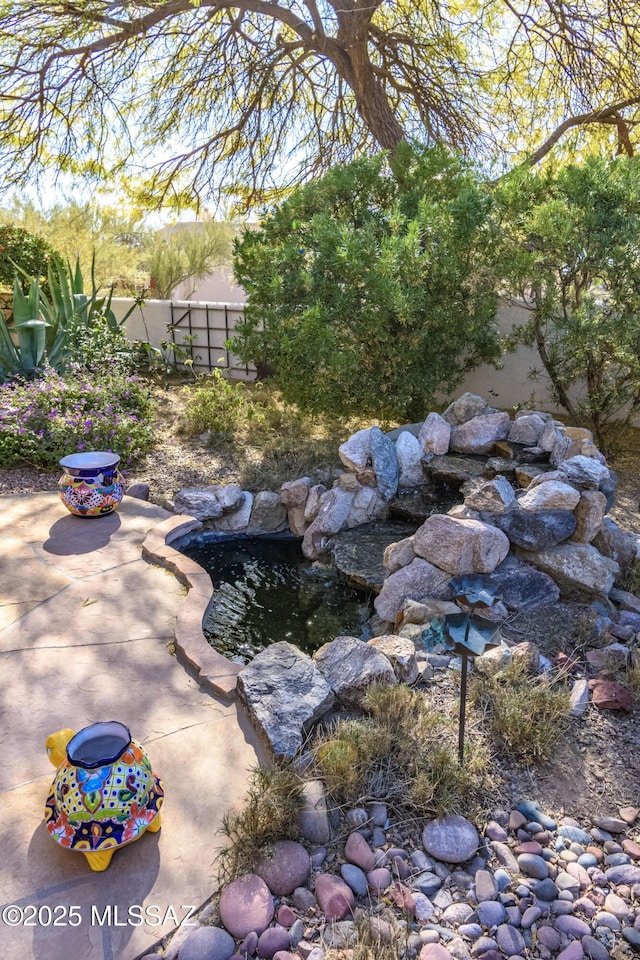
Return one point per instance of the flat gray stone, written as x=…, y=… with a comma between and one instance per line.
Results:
x=359, y=553
x=523, y=587
x=535, y=530
x=284, y=694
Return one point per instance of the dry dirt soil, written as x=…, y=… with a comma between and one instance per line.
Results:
x=596, y=768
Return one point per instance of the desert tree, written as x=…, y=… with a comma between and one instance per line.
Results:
x=200, y=95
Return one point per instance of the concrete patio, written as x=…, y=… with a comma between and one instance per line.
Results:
x=87, y=633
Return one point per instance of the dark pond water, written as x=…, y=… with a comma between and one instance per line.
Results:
x=265, y=591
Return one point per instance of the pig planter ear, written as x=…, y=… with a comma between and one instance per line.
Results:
x=104, y=794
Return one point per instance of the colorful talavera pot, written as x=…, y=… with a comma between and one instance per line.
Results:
x=91, y=485
x=104, y=794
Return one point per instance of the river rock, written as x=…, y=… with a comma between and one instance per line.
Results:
x=350, y=666
x=384, y=462
x=491, y=496
x=286, y=867
x=271, y=941
x=466, y=407
x=479, y=434
x=589, y=515
x=284, y=694
x=580, y=571
x=246, y=906
x=409, y=455
x=355, y=452
x=452, y=839
x=536, y=530
x=335, y=897
x=434, y=435
x=207, y=943
x=401, y=654
x=268, y=514
x=460, y=546
x=418, y=580
x=332, y=516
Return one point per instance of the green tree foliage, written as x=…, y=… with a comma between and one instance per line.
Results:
x=188, y=252
x=24, y=254
x=251, y=95
x=110, y=242
x=571, y=251
x=368, y=293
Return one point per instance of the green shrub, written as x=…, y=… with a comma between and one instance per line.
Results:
x=218, y=405
x=45, y=419
x=369, y=293
x=571, y=252
x=24, y=254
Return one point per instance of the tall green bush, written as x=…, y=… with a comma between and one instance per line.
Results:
x=369, y=291
x=23, y=253
x=571, y=252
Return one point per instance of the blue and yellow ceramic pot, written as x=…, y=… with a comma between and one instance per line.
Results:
x=104, y=794
x=91, y=485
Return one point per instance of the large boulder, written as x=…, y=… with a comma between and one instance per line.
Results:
x=384, y=462
x=355, y=452
x=454, y=470
x=580, y=571
x=466, y=407
x=268, y=514
x=368, y=505
x=418, y=580
x=589, y=515
x=490, y=496
x=617, y=544
x=552, y=495
x=479, y=434
x=332, y=516
x=350, y=666
x=523, y=587
x=536, y=530
x=409, y=456
x=294, y=493
x=401, y=654
x=527, y=430
x=284, y=695
x=238, y=519
x=202, y=503
x=435, y=434
x=584, y=472
x=460, y=546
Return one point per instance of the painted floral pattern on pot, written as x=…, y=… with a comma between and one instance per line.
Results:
x=95, y=807
x=91, y=485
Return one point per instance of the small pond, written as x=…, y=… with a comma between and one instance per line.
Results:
x=265, y=591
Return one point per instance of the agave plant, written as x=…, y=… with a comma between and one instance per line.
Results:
x=38, y=339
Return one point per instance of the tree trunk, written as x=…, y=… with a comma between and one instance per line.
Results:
x=371, y=98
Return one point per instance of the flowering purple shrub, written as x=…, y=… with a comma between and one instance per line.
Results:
x=45, y=419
